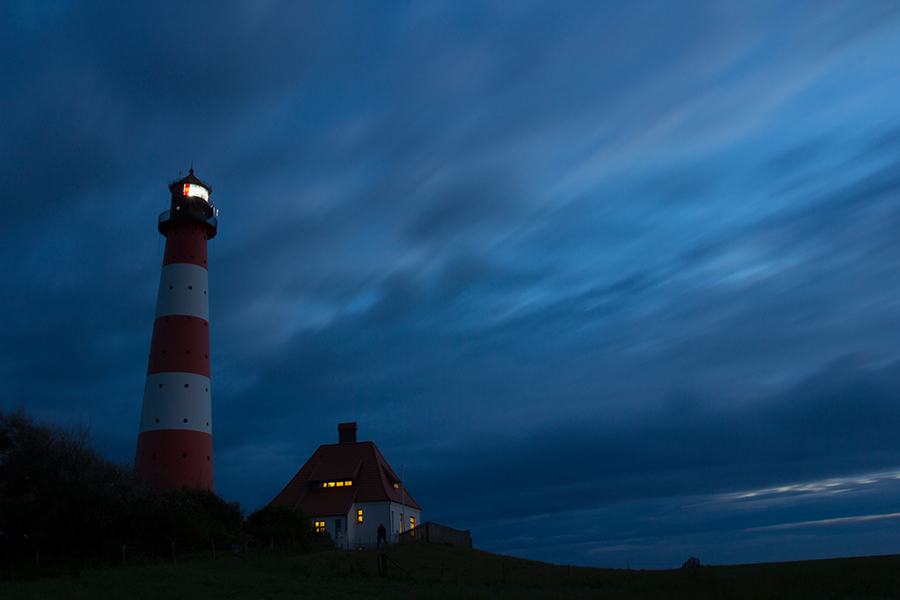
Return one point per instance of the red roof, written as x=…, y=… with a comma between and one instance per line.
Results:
x=359, y=462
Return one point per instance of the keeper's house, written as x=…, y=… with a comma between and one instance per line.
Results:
x=348, y=489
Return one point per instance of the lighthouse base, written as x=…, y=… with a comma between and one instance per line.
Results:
x=175, y=458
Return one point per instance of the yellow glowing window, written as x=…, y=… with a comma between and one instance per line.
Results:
x=412, y=522
x=359, y=516
x=320, y=526
x=328, y=484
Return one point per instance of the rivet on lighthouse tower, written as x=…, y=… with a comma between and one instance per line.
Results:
x=174, y=446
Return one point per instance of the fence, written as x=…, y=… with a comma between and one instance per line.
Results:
x=432, y=533
x=346, y=543
x=428, y=532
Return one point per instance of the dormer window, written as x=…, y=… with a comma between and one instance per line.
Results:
x=314, y=485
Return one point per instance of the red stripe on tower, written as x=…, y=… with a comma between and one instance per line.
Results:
x=174, y=446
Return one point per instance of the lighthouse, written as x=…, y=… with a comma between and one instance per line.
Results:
x=174, y=445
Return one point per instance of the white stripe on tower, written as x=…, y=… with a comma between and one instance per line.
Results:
x=183, y=291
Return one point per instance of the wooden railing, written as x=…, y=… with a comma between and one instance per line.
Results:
x=432, y=533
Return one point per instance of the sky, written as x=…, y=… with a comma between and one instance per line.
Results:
x=616, y=283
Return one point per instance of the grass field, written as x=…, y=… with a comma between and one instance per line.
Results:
x=447, y=572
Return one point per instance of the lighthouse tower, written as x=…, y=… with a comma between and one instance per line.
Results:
x=174, y=446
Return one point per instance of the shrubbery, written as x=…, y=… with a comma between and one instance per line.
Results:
x=61, y=498
x=56, y=494
x=279, y=525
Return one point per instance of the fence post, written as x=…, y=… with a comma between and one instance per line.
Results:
x=123, y=554
x=212, y=544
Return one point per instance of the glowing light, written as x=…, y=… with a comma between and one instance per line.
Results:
x=330, y=484
x=196, y=191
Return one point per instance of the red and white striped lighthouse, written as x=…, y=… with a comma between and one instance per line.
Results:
x=174, y=446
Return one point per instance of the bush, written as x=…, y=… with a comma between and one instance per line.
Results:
x=60, y=497
x=55, y=492
x=280, y=525
x=188, y=518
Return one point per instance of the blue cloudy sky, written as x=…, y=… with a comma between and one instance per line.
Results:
x=615, y=282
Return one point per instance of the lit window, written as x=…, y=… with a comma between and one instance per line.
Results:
x=196, y=191
x=320, y=526
x=359, y=516
x=412, y=522
x=327, y=484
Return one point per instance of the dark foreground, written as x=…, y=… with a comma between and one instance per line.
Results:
x=430, y=571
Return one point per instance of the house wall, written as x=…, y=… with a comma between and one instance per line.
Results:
x=377, y=513
x=407, y=511
x=374, y=513
x=331, y=524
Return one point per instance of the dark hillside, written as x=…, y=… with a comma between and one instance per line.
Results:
x=447, y=572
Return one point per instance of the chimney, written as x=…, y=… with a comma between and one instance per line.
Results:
x=347, y=433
